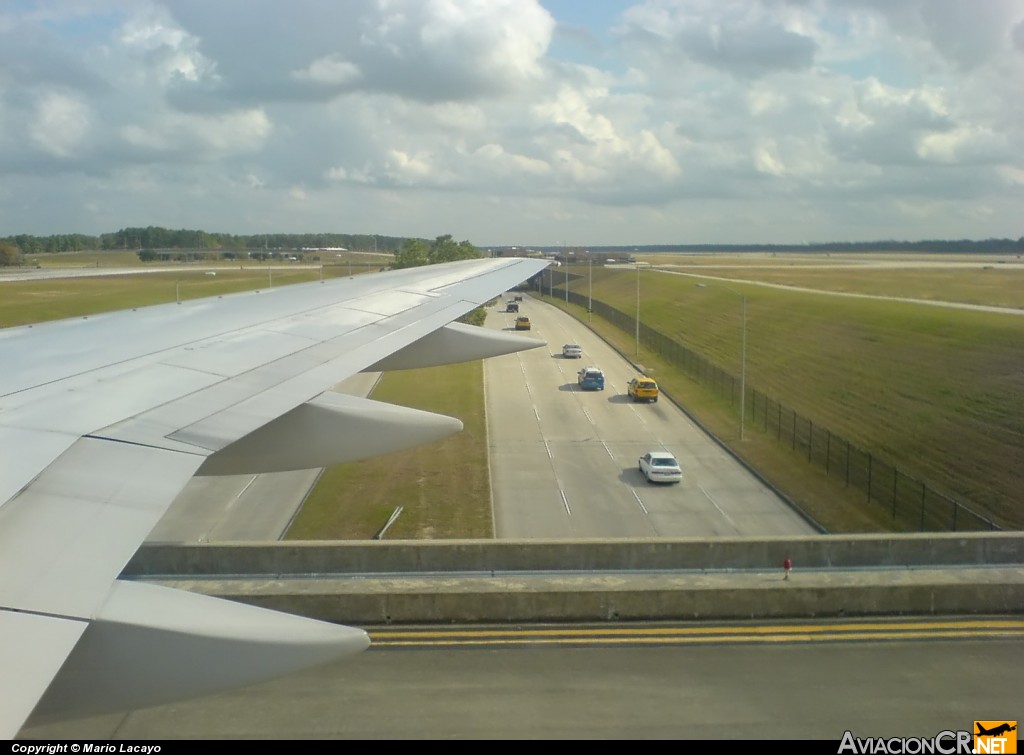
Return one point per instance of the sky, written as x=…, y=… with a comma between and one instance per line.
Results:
x=516, y=122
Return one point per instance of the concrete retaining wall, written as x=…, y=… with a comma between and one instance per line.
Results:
x=550, y=581
x=411, y=557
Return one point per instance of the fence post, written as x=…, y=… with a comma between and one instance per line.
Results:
x=922, y=506
x=869, y=477
x=847, y=463
x=810, y=439
x=779, y=437
x=828, y=450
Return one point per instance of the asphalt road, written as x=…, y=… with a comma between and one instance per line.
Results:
x=748, y=681
x=564, y=460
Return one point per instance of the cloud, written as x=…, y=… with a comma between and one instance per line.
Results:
x=60, y=124
x=624, y=122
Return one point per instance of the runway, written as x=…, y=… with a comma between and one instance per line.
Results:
x=739, y=683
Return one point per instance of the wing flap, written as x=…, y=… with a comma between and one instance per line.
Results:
x=68, y=534
x=32, y=652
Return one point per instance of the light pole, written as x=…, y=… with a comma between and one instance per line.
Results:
x=590, y=285
x=743, y=352
x=637, y=311
x=565, y=256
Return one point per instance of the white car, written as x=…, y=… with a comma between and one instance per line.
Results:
x=572, y=351
x=660, y=466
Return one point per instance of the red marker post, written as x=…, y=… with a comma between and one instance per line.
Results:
x=787, y=566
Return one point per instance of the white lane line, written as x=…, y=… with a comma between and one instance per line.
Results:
x=526, y=382
x=536, y=414
x=565, y=502
x=548, y=449
x=642, y=507
x=715, y=504
x=587, y=415
x=609, y=452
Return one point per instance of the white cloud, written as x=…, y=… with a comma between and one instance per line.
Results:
x=61, y=124
x=330, y=69
x=654, y=121
x=223, y=134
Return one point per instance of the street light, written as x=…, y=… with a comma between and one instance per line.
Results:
x=637, y=311
x=565, y=256
x=590, y=285
x=743, y=357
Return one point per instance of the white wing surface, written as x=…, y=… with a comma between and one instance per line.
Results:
x=104, y=419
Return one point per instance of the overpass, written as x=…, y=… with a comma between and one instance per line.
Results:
x=498, y=581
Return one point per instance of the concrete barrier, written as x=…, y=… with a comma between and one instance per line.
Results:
x=467, y=556
x=472, y=581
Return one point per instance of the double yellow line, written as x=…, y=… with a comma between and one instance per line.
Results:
x=426, y=637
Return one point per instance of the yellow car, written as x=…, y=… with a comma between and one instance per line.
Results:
x=522, y=323
x=643, y=389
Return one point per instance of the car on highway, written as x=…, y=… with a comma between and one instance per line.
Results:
x=523, y=323
x=643, y=389
x=512, y=307
x=660, y=466
x=572, y=351
x=590, y=379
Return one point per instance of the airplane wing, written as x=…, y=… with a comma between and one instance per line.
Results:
x=103, y=419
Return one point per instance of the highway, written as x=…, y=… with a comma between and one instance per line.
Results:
x=564, y=460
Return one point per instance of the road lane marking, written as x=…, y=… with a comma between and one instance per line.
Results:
x=715, y=504
x=565, y=502
x=644, y=508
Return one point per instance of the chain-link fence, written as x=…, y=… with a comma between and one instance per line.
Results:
x=913, y=505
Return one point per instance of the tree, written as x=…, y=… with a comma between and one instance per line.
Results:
x=413, y=253
x=444, y=249
x=10, y=255
x=416, y=252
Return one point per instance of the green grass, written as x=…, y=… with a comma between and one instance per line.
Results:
x=26, y=301
x=995, y=286
x=937, y=392
x=443, y=487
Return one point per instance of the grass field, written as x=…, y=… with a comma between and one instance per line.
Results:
x=938, y=392
x=28, y=301
x=986, y=281
x=443, y=487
